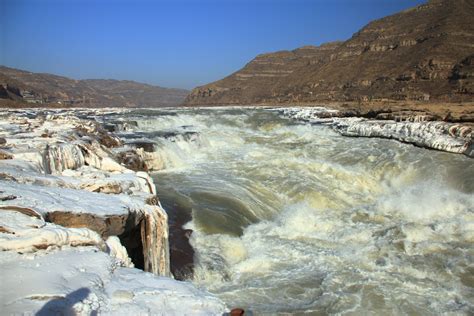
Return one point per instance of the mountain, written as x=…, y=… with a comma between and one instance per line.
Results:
x=27, y=87
x=424, y=54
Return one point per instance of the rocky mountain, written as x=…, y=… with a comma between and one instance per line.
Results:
x=38, y=88
x=424, y=54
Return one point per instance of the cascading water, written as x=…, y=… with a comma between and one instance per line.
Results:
x=290, y=217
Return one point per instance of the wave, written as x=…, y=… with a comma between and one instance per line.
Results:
x=292, y=217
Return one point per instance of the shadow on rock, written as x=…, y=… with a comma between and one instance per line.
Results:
x=64, y=305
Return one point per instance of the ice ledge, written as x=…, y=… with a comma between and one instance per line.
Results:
x=444, y=136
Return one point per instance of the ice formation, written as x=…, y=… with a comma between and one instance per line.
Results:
x=450, y=137
x=73, y=218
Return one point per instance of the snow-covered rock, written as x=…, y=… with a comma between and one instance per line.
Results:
x=74, y=221
x=434, y=135
x=24, y=230
x=106, y=214
x=450, y=137
x=85, y=281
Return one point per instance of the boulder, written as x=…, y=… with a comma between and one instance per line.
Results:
x=5, y=155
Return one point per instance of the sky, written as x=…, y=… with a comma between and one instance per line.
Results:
x=180, y=43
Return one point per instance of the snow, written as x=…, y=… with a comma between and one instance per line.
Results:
x=140, y=293
x=434, y=135
x=25, y=233
x=85, y=280
x=115, y=249
x=437, y=135
x=50, y=199
x=59, y=165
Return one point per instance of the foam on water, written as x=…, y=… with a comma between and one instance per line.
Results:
x=297, y=218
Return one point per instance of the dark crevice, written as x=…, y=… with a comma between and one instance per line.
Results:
x=132, y=241
x=181, y=251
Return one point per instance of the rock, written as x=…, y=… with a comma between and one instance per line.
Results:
x=433, y=135
x=140, y=160
x=103, y=187
x=108, y=215
x=132, y=160
x=152, y=200
x=408, y=56
x=120, y=126
x=147, y=146
x=5, y=155
x=108, y=164
x=455, y=138
x=3, y=141
x=26, y=233
x=59, y=157
x=237, y=312
x=7, y=197
x=64, y=91
x=109, y=226
x=46, y=134
x=108, y=141
x=52, y=228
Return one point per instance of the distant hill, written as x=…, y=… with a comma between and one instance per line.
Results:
x=424, y=54
x=20, y=87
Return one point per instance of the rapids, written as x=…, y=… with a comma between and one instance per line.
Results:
x=292, y=217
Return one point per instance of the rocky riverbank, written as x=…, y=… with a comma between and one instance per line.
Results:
x=80, y=220
x=419, y=130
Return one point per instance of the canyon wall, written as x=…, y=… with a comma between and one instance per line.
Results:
x=423, y=54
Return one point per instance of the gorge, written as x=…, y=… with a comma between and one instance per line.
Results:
x=330, y=179
x=418, y=60
x=292, y=217
x=286, y=215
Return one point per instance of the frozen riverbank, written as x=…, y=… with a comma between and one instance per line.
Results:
x=296, y=218
x=416, y=130
x=75, y=219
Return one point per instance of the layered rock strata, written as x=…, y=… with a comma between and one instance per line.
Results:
x=421, y=57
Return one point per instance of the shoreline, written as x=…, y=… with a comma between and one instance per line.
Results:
x=79, y=180
x=69, y=194
x=417, y=130
x=454, y=112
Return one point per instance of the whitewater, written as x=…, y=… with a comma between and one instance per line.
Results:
x=292, y=217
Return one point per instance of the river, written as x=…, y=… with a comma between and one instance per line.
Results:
x=294, y=218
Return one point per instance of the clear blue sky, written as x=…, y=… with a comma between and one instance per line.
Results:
x=170, y=43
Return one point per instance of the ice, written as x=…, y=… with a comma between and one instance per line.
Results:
x=85, y=280
x=450, y=137
x=24, y=233
x=64, y=201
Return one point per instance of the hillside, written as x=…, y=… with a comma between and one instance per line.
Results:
x=38, y=88
x=424, y=54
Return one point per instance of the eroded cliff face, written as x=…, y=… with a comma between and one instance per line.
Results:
x=423, y=54
x=258, y=80
x=47, y=89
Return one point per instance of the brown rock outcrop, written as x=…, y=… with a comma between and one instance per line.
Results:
x=5, y=155
x=113, y=225
x=422, y=55
x=41, y=89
